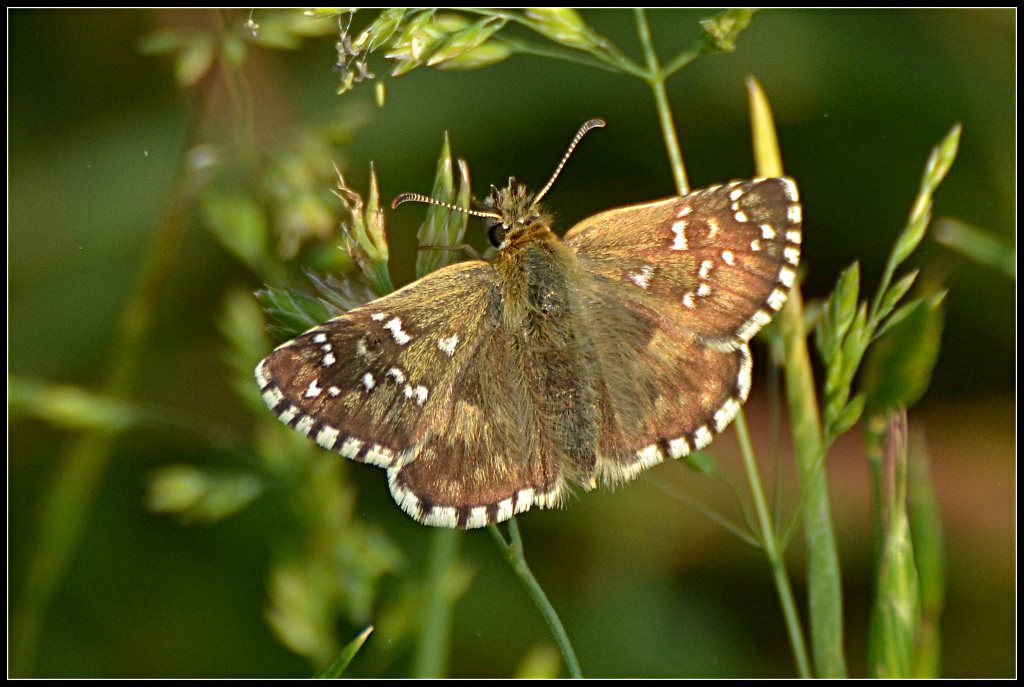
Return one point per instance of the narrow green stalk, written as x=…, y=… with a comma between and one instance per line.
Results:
x=656, y=80
x=513, y=552
x=431, y=659
x=772, y=550
x=823, y=572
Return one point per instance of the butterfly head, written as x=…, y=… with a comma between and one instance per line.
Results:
x=509, y=211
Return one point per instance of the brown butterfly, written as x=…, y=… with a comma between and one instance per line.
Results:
x=486, y=388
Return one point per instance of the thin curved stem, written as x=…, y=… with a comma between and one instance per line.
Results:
x=772, y=550
x=656, y=80
x=513, y=552
x=431, y=660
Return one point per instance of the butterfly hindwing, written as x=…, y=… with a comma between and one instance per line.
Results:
x=486, y=459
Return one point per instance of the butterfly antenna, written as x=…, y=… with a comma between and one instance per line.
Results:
x=420, y=198
x=592, y=124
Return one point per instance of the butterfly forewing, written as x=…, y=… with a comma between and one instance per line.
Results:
x=368, y=383
x=418, y=382
x=718, y=262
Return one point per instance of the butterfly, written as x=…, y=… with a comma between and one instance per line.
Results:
x=487, y=388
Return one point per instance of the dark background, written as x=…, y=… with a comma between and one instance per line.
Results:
x=646, y=586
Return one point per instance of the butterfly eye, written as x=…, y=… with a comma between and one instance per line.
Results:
x=497, y=233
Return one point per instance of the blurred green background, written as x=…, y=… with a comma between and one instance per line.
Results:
x=646, y=585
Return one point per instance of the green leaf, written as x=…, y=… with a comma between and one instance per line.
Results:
x=929, y=556
x=443, y=228
x=719, y=33
x=193, y=61
x=161, y=42
x=895, y=617
x=69, y=406
x=345, y=656
x=896, y=613
x=195, y=495
x=238, y=222
x=466, y=40
x=380, y=31
x=295, y=312
x=938, y=166
x=241, y=322
x=489, y=53
x=976, y=244
x=899, y=366
x=839, y=312
x=895, y=293
x=910, y=238
x=849, y=416
x=422, y=36
x=702, y=463
x=562, y=25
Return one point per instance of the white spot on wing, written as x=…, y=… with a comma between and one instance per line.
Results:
x=790, y=188
x=677, y=448
x=304, y=425
x=777, y=299
x=679, y=228
x=702, y=437
x=395, y=326
x=713, y=224
x=272, y=397
x=643, y=277
x=447, y=346
x=327, y=436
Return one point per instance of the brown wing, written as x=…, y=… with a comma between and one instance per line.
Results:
x=419, y=382
x=485, y=459
x=720, y=260
x=366, y=384
x=677, y=289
